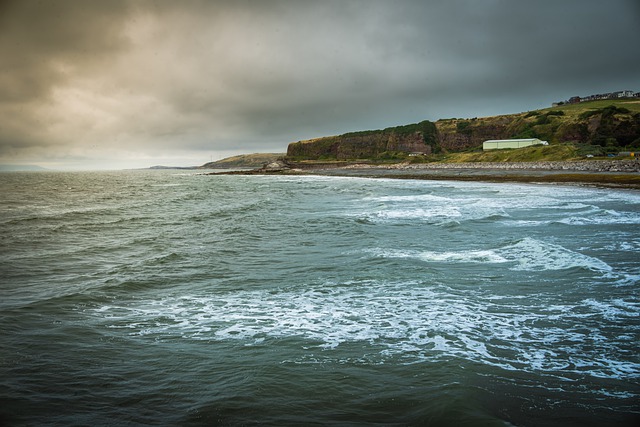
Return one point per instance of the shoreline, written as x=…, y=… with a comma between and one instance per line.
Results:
x=622, y=174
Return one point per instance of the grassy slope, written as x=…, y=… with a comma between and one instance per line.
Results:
x=574, y=110
x=536, y=153
x=255, y=160
x=558, y=151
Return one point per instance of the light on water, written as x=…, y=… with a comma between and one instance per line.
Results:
x=164, y=298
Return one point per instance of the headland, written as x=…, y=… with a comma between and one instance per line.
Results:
x=595, y=142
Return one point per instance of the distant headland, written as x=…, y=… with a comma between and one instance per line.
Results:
x=592, y=142
x=599, y=126
x=22, y=168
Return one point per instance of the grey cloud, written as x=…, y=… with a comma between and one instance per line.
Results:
x=41, y=42
x=254, y=75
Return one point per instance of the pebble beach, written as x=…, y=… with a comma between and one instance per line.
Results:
x=602, y=173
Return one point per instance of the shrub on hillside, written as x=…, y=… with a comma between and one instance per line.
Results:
x=463, y=127
x=609, y=111
x=543, y=120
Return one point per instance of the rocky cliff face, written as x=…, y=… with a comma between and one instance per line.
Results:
x=448, y=135
x=610, y=127
x=365, y=145
x=359, y=146
x=417, y=138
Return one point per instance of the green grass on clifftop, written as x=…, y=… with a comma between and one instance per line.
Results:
x=575, y=110
x=536, y=153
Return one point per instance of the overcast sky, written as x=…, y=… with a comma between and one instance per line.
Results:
x=117, y=84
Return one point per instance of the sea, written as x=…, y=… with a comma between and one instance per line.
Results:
x=174, y=298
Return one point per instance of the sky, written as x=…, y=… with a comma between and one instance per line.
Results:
x=94, y=84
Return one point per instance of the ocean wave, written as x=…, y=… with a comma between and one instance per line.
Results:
x=439, y=212
x=511, y=206
x=527, y=254
x=472, y=256
x=422, y=198
x=535, y=255
x=627, y=245
x=603, y=217
x=409, y=321
x=244, y=287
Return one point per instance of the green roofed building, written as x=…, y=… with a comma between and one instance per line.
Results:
x=498, y=144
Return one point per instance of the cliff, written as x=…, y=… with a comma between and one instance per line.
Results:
x=605, y=126
x=415, y=138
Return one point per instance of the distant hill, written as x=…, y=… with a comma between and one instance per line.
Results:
x=21, y=168
x=255, y=160
x=174, y=167
x=596, y=128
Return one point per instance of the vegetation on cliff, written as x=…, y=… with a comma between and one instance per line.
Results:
x=255, y=160
x=573, y=130
x=535, y=153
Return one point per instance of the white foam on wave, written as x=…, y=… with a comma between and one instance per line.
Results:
x=534, y=255
x=630, y=245
x=628, y=280
x=472, y=256
x=570, y=206
x=526, y=255
x=432, y=208
x=614, y=309
x=437, y=213
x=410, y=321
x=421, y=198
x=440, y=212
x=603, y=217
x=474, y=206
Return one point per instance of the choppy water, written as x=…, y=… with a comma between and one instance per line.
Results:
x=165, y=298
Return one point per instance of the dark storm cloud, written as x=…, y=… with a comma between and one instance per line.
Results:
x=43, y=45
x=149, y=79
x=39, y=39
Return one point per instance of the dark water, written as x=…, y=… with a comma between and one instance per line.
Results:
x=164, y=298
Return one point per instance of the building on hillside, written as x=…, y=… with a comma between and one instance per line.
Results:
x=600, y=96
x=624, y=94
x=498, y=144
